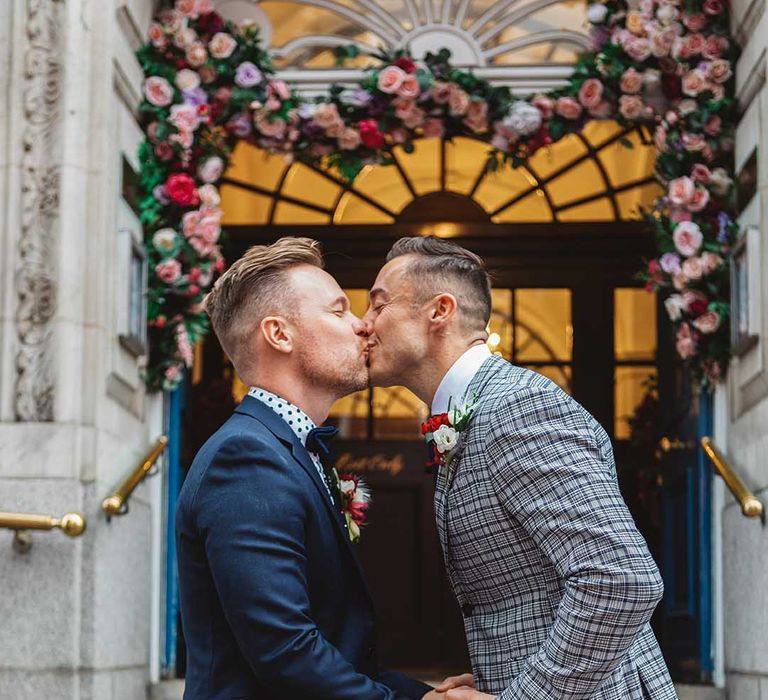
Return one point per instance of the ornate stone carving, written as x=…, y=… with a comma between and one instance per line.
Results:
x=36, y=271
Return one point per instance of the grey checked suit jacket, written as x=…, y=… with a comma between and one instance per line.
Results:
x=555, y=583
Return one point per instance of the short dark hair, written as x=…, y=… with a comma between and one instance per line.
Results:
x=443, y=266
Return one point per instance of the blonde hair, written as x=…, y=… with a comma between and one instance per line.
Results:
x=254, y=287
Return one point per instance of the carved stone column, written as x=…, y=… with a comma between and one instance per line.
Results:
x=36, y=287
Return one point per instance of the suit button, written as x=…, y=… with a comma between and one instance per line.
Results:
x=371, y=652
x=467, y=609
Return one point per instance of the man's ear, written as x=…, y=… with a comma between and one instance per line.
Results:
x=444, y=308
x=276, y=333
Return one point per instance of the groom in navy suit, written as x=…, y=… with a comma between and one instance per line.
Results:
x=273, y=600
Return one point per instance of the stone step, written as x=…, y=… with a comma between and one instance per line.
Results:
x=699, y=692
x=173, y=690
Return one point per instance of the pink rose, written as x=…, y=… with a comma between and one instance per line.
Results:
x=414, y=118
x=196, y=54
x=695, y=43
x=274, y=129
x=700, y=173
x=458, y=102
x=187, y=79
x=714, y=46
x=184, y=117
x=692, y=268
x=707, y=323
x=184, y=36
x=210, y=169
x=390, y=79
x=568, y=108
x=157, y=36
x=694, y=82
x=590, y=93
x=209, y=229
x=676, y=215
x=335, y=130
x=433, y=128
x=680, y=191
x=630, y=106
x=638, y=49
x=441, y=93
x=545, y=105
x=168, y=271
x=326, y=114
x=688, y=238
x=719, y=70
x=187, y=8
x=699, y=200
x=189, y=223
x=349, y=139
x=660, y=138
x=209, y=196
x=279, y=88
x=662, y=42
x=222, y=45
x=695, y=22
x=477, y=116
x=409, y=87
x=718, y=92
x=631, y=81
x=184, y=138
x=686, y=342
x=399, y=135
x=601, y=110
x=158, y=91
x=710, y=262
x=713, y=7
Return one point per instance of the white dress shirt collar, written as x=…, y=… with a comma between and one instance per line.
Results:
x=457, y=379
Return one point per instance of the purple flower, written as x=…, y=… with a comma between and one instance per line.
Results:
x=196, y=96
x=723, y=220
x=240, y=125
x=160, y=194
x=670, y=263
x=361, y=97
x=312, y=131
x=248, y=75
x=377, y=106
x=600, y=36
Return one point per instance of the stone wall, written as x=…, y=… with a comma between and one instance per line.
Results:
x=745, y=541
x=74, y=417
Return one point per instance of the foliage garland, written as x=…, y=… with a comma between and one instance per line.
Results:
x=663, y=64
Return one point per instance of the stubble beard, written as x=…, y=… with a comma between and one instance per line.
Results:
x=340, y=376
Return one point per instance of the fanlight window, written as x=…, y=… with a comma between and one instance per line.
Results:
x=586, y=177
x=303, y=33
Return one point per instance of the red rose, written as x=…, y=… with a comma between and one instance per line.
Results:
x=210, y=23
x=181, y=190
x=406, y=64
x=370, y=134
x=713, y=7
x=698, y=307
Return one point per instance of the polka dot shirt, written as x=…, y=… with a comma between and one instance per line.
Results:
x=297, y=420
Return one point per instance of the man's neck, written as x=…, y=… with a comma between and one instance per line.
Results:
x=313, y=401
x=426, y=384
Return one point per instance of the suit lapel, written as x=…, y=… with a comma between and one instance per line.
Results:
x=282, y=431
x=479, y=382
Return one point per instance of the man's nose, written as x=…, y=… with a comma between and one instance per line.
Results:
x=360, y=327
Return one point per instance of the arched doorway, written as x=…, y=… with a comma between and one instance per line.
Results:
x=564, y=240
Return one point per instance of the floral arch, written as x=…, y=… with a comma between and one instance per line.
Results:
x=661, y=68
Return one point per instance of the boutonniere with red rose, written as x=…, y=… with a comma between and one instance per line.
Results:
x=442, y=432
x=355, y=499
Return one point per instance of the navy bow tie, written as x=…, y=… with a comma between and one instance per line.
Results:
x=319, y=441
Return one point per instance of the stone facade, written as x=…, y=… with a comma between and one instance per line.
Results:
x=743, y=419
x=74, y=417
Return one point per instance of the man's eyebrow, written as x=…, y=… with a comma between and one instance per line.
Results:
x=377, y=291
x=340, y=300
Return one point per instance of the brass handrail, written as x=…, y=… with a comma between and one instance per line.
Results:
x=72, y=524
x=117, y=502
x=751, y=507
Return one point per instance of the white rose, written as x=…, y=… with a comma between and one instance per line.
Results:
x=651, y=77
x=445, y=438
x=164, y=240
x=667, y=13
x=687, y=106
x=523, y=118
x=596, y=13
x=210, y=169
x=307, y=110
x=187, y=79
x=674, y=305
x=719, y=181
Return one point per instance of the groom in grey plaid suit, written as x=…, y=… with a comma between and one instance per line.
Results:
x=554, y=581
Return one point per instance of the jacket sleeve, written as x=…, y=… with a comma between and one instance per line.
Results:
x=555, y=481
x=404, y=685
x=250, y=515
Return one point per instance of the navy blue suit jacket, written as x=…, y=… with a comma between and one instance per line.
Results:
x=274, y=604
